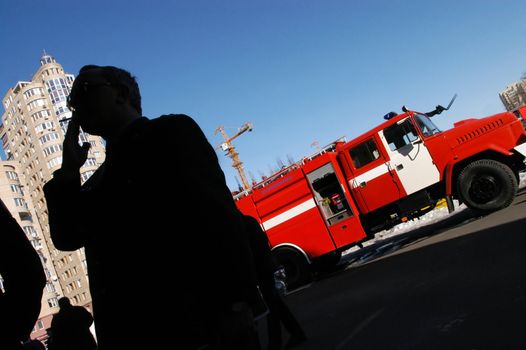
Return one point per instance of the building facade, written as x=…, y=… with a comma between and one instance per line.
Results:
x=514, y=95
x=32, y=132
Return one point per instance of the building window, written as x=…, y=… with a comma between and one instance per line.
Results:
x=52, y=302
x=90, y=162
x=52, y=149
x=25, y=216
x=50, y=288
x=36, y=103
x=40, y=114
x=36, y=244
x=33, y=92
x=54, y=162
x=58, y=95
x=30, y=231
x=20, y=202
x=48, y=137
x=44, y=126
x=86, y=175
x=17, y=189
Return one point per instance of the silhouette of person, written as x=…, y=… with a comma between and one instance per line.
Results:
x=161, y=232
x=23, y=280
x=70, y=328
x=266, y=265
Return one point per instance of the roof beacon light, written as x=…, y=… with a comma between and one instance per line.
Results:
x=390, y=115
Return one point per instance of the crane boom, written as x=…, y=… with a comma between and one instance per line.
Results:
x=231, y=151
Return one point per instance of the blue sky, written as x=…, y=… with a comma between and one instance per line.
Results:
x=299, y=70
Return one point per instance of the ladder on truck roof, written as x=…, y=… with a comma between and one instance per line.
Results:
x=328, y=148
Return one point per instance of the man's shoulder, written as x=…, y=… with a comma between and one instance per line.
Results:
x=180, y=125
x=173, y=119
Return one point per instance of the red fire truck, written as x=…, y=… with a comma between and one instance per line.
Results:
x=332, y=200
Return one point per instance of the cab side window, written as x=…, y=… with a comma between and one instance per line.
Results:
x=400, y=135
x=364, y=153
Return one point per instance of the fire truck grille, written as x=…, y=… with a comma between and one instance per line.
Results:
x=480, y=131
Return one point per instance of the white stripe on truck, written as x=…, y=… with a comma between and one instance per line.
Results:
x=289, y=214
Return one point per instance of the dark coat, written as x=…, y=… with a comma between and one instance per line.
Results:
x=163, y=237
x=265, y=266
x=24, y=282
x=264, y=262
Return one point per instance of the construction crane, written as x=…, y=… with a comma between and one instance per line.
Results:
x=231, y=151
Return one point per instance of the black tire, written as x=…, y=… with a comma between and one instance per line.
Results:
x=297, y=268
x=487, y=185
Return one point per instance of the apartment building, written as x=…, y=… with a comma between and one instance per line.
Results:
x=32, y=132
x=514, y=95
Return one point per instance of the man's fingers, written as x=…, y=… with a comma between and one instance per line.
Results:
x=73, y=129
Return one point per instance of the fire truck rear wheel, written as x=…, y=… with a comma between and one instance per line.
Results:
x=487, y=185
x=297, y=268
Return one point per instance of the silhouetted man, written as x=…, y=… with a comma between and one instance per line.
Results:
x=165, y=245
x=70, y=328
x=24, y=282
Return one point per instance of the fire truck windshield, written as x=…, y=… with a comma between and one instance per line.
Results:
x=425, y=124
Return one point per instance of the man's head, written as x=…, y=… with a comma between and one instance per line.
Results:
x=64, y=302
x=104, y=98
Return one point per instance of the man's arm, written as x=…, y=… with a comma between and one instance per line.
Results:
x=63, y=202
x=63, y=193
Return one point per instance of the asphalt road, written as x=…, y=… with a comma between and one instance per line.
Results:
x=457, y=284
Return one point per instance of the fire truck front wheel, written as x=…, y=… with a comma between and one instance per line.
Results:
x=297, y=268
x=487, y=185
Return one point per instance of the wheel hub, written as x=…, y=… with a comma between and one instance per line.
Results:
x=484, y=188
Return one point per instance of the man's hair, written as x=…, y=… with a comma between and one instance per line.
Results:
x=119, y=76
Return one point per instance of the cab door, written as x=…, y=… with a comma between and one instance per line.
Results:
x=409, y=156
x=371, y=180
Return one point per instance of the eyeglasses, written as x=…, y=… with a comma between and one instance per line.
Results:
x=81, y=89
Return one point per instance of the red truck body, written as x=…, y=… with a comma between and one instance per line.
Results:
x=325, y=203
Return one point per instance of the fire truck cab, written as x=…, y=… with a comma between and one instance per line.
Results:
x=407, y=163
